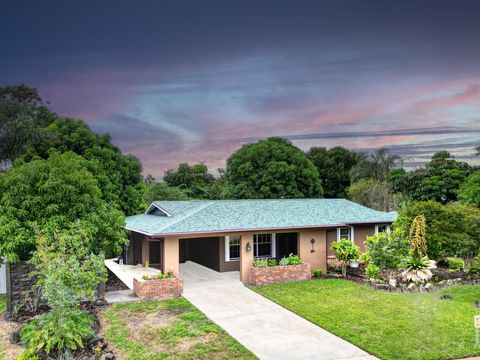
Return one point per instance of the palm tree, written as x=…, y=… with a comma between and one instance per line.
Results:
x=382, y=163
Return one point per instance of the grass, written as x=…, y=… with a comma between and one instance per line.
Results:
x=389, y=325
x=171, y=329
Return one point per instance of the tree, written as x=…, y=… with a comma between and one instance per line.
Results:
x=438, y=181
x=271, y=169
x=373, y=194
x=333, y=166
x=119, y=176
x=376, y=165
x=162, y=191
x=22, y=116
x=346, y=251
x=469, y=191
x=60, y=192
x=195, y=180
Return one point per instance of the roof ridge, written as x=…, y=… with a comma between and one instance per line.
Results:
x=188, y=214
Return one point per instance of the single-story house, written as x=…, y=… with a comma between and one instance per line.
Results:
x=226, y=235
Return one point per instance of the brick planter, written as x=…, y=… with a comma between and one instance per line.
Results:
x=279, y=274
x=158, y=289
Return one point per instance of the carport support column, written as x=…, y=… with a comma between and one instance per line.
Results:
x=171, y=254
x=246, y=257
x=318, y=258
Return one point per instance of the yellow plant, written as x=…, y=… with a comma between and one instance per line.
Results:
x=418, y=235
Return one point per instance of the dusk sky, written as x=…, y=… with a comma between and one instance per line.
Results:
x=191, y=81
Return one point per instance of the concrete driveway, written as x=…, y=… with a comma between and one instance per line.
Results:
x=265, y=328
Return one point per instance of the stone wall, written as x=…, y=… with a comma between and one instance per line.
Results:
x=158, y=289
x=279, y=274
x=19, y=282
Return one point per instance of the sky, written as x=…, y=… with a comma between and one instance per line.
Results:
x=192, y=81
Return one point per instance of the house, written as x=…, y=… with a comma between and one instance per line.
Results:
x=226, y=235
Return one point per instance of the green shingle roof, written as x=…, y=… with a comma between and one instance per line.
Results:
x=200, y=216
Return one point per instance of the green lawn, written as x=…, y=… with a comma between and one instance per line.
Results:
x=388, y=325
x=172, y=329
x=3, y=308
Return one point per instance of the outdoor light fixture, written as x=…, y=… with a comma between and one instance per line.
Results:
x=312, y=242
x=248, y=247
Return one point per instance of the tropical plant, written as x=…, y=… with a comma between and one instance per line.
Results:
x=294, y=260
x=346, y=251
x=418, y=236
x=260, y=263
x=417, y=269
x=272, y=262
x=284, y=261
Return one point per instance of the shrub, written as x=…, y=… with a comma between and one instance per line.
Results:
x=146, y=277
x=260, y=263
x=386, y=250
x=346, y=251
x=317, y=273
x=272, y=262
x=56, y=333
x=294, y=260
x=158, y=276
x=284, y=261
x=373, y=271
x=455, y=263
x=170, y=274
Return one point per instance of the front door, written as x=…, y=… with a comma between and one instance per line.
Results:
x=155, y=253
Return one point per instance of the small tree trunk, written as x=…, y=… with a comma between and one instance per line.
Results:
x=344, y=268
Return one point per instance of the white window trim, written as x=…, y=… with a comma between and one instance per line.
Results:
x=273, y=247
x=377, y=226
x=227, y=249
x=352, y=233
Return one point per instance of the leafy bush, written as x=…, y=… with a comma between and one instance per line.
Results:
x=284, y=261
x=386, y=250
x=318, y=273
x=373, y=271
x=346, y=251
x=272, y=262
x=158, y=276
x=260, y=263
x=55, y=334
x=170, y=274
x=417, y=269
x=455, y=263
x=294, y=260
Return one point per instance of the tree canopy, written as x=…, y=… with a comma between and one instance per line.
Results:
x=333, y=166
x=469, y=191
x=162, y=191
x=59, y=193
x=269, y=169
x=195, y=180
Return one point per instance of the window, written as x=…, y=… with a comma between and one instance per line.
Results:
x=264, y=245
x=232, y=248
x=382, y=228
x=345, y=233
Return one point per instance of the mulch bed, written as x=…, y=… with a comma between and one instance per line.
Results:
x=114, y=283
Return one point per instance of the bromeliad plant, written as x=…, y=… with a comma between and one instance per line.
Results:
x=346, y=251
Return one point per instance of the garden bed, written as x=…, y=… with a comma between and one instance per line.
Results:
x=279, y=274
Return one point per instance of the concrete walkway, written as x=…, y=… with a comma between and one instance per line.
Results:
x=265, y=328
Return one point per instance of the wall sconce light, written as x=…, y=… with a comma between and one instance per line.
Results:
x=312, y=242
x=248, y=247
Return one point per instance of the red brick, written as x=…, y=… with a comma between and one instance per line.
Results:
x=158, y=289
x=279, y=274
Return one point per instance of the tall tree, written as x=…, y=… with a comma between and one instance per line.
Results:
x=269, y=169
x=22, y=116
x=195, y=180
x=376, y=165
x=333, y=167
x=162, y=191
x=373, y=194
x=119, y=176
x=469, y=191
x=59, y=193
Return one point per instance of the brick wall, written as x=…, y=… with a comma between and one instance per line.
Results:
x=18, y=282
x=158, y=289
x=279, y=274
